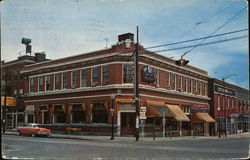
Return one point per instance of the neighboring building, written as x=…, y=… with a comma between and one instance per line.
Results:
x=230, y=104
x=10, y=75
x=80, y=91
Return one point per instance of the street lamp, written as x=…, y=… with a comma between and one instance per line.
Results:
x=112, y=111
x=219, y=122
x=225, y=110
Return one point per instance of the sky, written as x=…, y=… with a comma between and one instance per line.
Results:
x=70, y=27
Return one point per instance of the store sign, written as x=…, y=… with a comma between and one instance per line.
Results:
x=200, y=108
x=226, y=91
x=10, y=101
x=148, y=75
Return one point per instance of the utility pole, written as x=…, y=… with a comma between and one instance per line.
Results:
x=137, y=86
x=5, y=101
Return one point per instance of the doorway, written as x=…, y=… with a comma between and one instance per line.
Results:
x=127, y=123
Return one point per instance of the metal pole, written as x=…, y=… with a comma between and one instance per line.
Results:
x=163, y=124
x=112, y=135
x=225, y=110
x=137, y=86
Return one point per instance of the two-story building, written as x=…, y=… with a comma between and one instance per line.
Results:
x=80, y=91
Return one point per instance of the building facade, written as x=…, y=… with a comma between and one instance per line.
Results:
x=84, y=92
x=12, y=89
x=229, y=107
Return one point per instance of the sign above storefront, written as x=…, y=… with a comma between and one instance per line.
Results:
x=220, y=89
x=148, y=75
x=200, y=108
x=10, y=101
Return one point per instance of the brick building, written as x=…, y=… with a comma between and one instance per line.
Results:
x=12, y=85
x=80, y=91
x=229, y=107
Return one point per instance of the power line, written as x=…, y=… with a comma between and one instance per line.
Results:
x=202, y=44
x=216, y=30
x=217, y=35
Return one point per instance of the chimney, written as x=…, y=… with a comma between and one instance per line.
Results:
x=126, y=38
x=40, y=57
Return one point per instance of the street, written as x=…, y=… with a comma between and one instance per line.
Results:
x=54, y=148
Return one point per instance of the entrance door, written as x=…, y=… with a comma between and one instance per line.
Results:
x=127, y=123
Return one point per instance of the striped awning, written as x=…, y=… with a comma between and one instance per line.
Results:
x=177, y=113
x=202, y=117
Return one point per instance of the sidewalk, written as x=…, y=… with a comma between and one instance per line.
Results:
x=146, y=139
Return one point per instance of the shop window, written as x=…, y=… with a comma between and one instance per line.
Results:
x=154, y=121
x=74, y=79
x=105, y=75
x=57, y=81
x=45, y=117
x=65, y=81
x=59, y=115
x=167, y=80
x=47, y=83
x=32, y=88
x=78, y=114
x=94, y=76
x=40, y=85
x=30, y=118
x=99, y=113
x=128, y=74
x=84, y=78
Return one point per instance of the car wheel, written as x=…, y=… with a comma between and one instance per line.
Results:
x=33, y=135
x=19, y=133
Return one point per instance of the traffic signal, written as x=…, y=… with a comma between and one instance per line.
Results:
x=181, y=62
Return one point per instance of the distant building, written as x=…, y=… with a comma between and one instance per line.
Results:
x=230, y=104
x=10, y=75
x=78, y=93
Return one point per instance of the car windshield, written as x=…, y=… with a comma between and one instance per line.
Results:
x=33, y=125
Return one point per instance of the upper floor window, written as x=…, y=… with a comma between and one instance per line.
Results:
x=74, y=79
x=57, y=81
x=168, y=80
x=47, y=83
x=32, y=88
x=218, y=102
x=198, y=87
x=40, y=85
x=128, y=74
x=189, y=85
x=105, y=75
x=95, y=75
x=178, y=78
x=65, y=80
x=186, y=109
x=195, y=87
x=84, y=78
x=184, y=84
x=173, y=81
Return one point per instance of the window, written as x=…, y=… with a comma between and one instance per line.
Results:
x=156, y=71
x=199, y=87
x=167, y=80
x=128, y=74
x=78, y=114
x=172, y=81
x=178, y=77
x=184, y=84
x=105, y=75
x=195, y=87
x=15, y=91
x=99, y=114
x=74, y=79
x=189, y=85
x=84, y=78
x=40, y=85
x=59, y=115
x=228, y=102
x=57, y=81
x=20, y=91
x=47, y=83
x=32, y=85
x=218, y=102
x=65, y=81
x=186, y=109
x=94, y=75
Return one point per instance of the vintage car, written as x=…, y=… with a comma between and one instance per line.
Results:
x=33, y=129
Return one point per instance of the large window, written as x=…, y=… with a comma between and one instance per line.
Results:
x=74, y=79
x=94, y=75
x=40, y=79
x=195, y=87
x=47, y=83
x=57, y=81
x=65, y=81
x=78, y=114
x=59, y=114
x=189, y=85
x=198, y=87
x=105, y=75
x=178, y=77
x=99, y=114
x=128, y=74
x=84, y=78
x=173, y=81
x=32, y=89
x=168, y=80
x=184, y=84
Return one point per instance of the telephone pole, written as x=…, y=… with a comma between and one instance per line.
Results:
x=137, y=86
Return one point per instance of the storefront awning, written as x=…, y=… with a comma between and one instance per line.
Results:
x=154, y=108
x=202, y=117
x=177, y=113
x=29, y=109
x=124, y=100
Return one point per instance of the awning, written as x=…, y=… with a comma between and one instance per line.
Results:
x=154, y=108
x=177, y=113
x=124, y=100
x=29, y=109
x=202, y=117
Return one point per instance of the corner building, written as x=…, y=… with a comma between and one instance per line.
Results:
x=78, y=93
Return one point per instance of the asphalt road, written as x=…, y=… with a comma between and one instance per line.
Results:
x=53, y=148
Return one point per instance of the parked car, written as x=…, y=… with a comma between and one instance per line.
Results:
x=33, y=129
